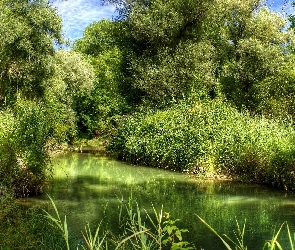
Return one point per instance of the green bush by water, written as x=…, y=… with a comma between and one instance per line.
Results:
x=209, y=138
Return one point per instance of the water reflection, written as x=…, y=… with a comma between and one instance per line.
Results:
x=87, y=189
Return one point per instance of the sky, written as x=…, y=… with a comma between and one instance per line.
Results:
x=78, y=14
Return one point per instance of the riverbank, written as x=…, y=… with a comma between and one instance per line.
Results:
x=209, y=138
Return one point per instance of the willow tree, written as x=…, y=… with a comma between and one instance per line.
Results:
x=259, y=48
x=29, y=30
x=182, y=46
x=167, y=56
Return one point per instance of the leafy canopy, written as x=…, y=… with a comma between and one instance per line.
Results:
x=28, y=31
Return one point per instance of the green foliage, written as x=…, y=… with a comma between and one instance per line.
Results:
x=175, y=73
x=140, y=230
x=274, y=96
x=256, y=54
x=96, y=110
x=28, y=29
x=173, y=238
x=72, y=77
x=22, y=228
x=94, y=242
x=156, y=23
x=178, y=47
x=149, y=231
x=72, y=73
x=98, y=37
x=24, y=158
x=62, y=226
x=28, y=133
x=209, y=138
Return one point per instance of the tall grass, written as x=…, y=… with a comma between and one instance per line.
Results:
x=141, y=230
x=210, y=138
x=239, y=244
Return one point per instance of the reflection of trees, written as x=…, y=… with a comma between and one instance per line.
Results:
x=83, y=185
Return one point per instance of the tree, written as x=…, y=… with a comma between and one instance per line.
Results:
x=167, y=51
x=28, y=31
x=258, y=45
x=105, y=45
x=72, y=76
x=246, y=43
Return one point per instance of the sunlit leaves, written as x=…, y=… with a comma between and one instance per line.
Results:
x=28, y=30
x=175, y=73
x=72, y=73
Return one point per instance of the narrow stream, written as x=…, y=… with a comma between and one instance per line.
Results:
x=87, y=188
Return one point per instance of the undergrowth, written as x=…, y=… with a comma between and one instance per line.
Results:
x=209, y=138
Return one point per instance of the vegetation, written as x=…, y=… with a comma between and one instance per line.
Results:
x=141, y=230
x=209, y=138
x=205, y=87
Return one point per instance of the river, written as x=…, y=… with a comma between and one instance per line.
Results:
x=87, y=188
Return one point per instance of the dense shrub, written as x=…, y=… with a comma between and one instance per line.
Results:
x=209, y=138
x=24, y=157
x=27, y=132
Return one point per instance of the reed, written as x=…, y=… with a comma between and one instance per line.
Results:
x=238, y=243
x=62, y=226
x=141, y=230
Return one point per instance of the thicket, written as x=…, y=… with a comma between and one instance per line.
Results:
x=38, y=90
x=209, y=138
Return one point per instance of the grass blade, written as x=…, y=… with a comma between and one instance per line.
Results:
x=212, y=230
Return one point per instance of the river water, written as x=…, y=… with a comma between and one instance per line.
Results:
x=88, y=188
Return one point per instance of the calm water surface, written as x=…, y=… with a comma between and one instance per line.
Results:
x=87, y=188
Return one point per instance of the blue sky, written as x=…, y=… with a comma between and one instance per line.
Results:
x=78, y=14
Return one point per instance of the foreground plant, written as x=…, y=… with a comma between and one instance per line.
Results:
x=94, y=242
x=62, y=226
x=239, y=243
x=162, y=232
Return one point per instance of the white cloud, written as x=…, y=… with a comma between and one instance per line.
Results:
x=78, y=14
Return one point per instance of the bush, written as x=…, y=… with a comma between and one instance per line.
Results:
x=274, y=96
x=209, y=138
x=24, y=135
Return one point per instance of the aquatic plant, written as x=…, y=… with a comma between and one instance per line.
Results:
x=62, y=226
x=140, y=230
x=239, y=243
x=149, y=231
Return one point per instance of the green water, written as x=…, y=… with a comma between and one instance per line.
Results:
x=86, y=188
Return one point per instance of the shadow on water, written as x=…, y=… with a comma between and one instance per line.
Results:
x=87, y=188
